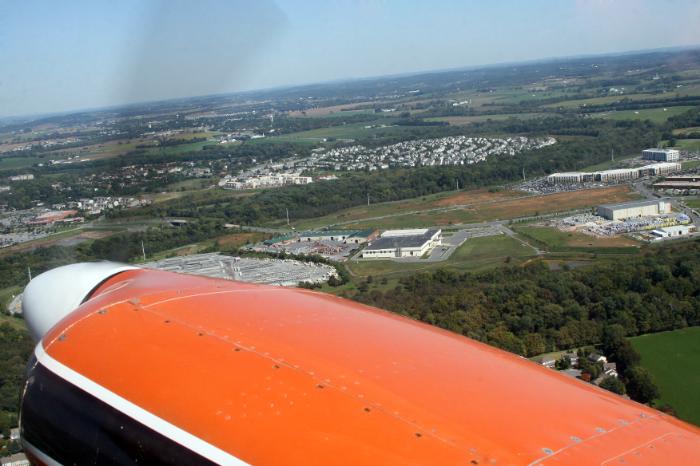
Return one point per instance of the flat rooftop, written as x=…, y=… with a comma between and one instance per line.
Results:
x=393, y=242
x=628, y=205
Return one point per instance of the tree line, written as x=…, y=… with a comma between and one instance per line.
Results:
x=531, y=310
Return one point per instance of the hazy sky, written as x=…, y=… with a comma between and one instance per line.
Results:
x=64, y=55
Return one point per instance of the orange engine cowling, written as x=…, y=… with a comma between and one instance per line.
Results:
x=162, y=368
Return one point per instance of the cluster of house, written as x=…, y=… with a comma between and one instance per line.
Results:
x=452, y=150
x=271, y=180
x=573, y=367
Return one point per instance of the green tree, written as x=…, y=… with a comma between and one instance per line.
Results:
x=640, y=385
x=563, y=363
x=613, y=384
x=534, y=344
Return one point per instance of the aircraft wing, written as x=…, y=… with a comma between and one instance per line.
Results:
x=162, y=368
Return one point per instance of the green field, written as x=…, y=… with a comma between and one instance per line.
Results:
x=673, y=358
x=656, y=115
x=688, y=144
x=554, y=240
x=475, y=254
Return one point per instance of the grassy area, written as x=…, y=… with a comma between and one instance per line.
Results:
x=16, y=322
x=609, y=164
x=656, y=115
x=688, y=144
x=475, y=254
x=560, y=241
x=673, y=358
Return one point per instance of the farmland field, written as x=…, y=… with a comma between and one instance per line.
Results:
x=673, y=358
x=656, y=115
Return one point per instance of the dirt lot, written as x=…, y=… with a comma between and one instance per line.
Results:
x=559, y=202
x=478, y=196
x=600, y=241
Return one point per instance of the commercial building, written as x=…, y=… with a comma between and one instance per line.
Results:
x=634, y=209
x=615, y=175
x=662, y=155
x=403, y=243
x=566, y=178
x=656, y=169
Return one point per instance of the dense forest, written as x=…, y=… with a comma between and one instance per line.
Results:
x=15, y=349
x=530, y=310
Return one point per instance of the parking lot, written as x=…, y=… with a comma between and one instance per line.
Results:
x=266, y=271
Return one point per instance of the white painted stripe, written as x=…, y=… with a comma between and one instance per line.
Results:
x=146, y=418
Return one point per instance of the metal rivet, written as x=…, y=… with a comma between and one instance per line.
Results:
x=166, y=321
x=276, y=366
x=575, y=439
x=62, y=337
x=419, y=435
x=102, y=311
x=236, y=349
x=319, y=386
x=367, y=410
x=547, y=451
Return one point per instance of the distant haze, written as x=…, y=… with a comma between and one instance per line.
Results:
x=57, y=56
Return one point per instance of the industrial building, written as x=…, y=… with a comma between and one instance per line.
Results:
x=679, y=182
x=338, y=236
x=673, y=231
x=342, y=236
x=634, y=209
x=403, y=243
x=661, y=155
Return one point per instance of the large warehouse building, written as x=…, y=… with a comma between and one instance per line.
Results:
x=661, y=155
x=403, y=243
x=634, y=209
